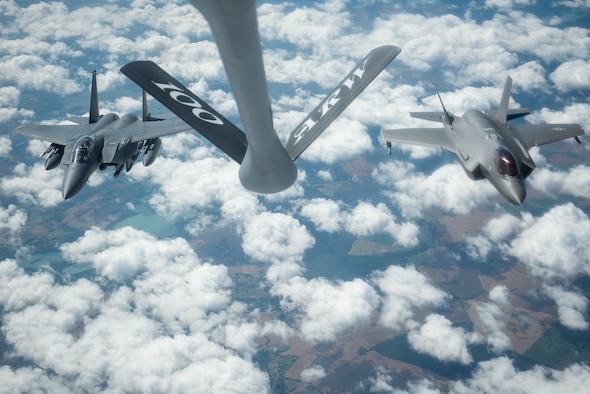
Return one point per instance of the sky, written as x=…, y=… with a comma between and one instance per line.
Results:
x=155, y=298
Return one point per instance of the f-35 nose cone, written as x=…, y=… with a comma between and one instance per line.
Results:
x=516, y=194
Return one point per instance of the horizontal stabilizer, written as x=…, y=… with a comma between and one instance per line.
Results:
x=346, y=91
x=512, y=113
x=188, y=107
x=438, y=116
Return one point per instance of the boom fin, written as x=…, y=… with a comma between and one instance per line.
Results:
x=337, y=101
x=502, y=113
x=188, y=107
x=94, y=115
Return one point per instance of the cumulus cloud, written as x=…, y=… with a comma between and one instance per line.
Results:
x=34, y=185
x=571, y=307
x=5, y=146
x=500, y=375
x=12, y=218
x=572, y=75
x=323, y=308
x=438, y=338
x=414, y=192
x=313, y=373
x=176, y=310
x=499, y=295
x=556, y=245
x=492, y=325
x=552, y=246
x=405, y=291
x=364, y=219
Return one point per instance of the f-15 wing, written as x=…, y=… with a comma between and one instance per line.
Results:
x=57, y=134
x=429, y=137
x=153, y=129
x=539, y=134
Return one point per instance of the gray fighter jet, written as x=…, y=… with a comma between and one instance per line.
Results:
x=266, y=165
x=100, y=141
x=486, y=146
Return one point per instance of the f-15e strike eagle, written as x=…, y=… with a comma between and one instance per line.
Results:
x=485, y=144
x=100, y=141
x=266, y=165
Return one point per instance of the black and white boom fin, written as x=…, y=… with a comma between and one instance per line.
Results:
x=346, y=91
x=188, y=107
x=94, y=115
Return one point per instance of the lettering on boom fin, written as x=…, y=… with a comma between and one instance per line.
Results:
x=330, y=101
x=180, y=96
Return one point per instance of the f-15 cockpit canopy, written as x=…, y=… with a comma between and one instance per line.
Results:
x=82, y=149
x=505, y=162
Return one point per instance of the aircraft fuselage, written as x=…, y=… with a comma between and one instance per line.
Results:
x=108, y=144
x=486, y=149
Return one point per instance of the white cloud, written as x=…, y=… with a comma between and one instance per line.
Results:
x=34, y=185
x=572, y=75
x=405, y=290
x=343, y=140
x=313, y=373
x=324, y=309
x=177, y=311
x=5, y=146
x=363, y=220
x=325, y=214
x=556, y=245
x=12, y=218
x=499, y=375
x=414, y=192
x=276, y=238
x=574, y=181
x=500, y=295
x=492, y=325
x=438, y=338
x=506, y=3
x=571, y=307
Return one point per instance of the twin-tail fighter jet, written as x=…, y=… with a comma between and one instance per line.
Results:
x=100, y=141
x=266, y=165
x=485, y=144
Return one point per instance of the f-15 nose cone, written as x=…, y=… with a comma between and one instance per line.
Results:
x=74, y=180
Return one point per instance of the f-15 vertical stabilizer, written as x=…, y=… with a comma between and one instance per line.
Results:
x=94, y=115
x=337, y=101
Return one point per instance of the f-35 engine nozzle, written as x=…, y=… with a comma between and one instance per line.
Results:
x=152, y=148
x=55, y=152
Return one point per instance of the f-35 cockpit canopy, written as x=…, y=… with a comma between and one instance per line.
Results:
x=505, y=162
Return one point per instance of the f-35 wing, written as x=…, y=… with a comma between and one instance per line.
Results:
x=429, y=137
x=188, y=107
x=57, y=134
x=539, y=134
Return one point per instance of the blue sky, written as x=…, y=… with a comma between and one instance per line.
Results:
x=172, y=305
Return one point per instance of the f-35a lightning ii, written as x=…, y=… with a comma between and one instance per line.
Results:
x=100, y=141
x=485, y=145
x=266, y=165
